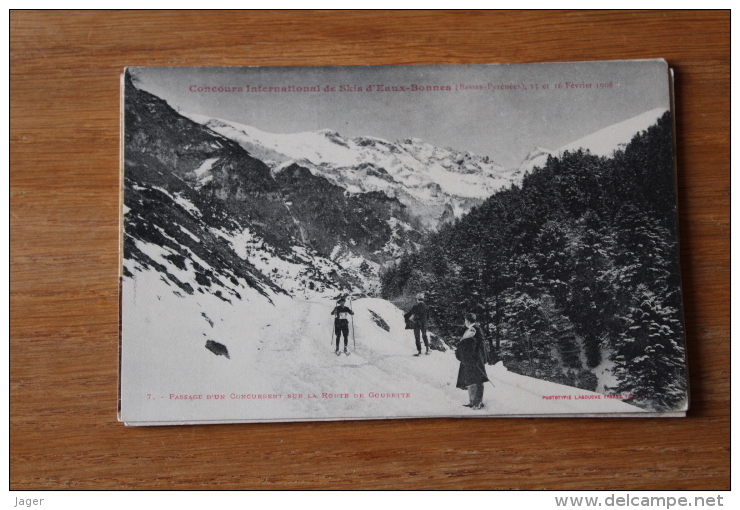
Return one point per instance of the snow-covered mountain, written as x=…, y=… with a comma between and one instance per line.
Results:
x=601, y=143
x=196, y=200
x=435, y=184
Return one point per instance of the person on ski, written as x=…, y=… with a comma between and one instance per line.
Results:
x=341, y=323
x=417, y=319
x=470, y=351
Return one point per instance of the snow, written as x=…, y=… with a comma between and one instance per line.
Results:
x=293, y=271
x=605, y=141
x=202, y=182
x=205, y=167
x=158, y=254
x=164, y=234
x=286, y=348
x=192, y=236
x=185, y=204
x=176, y=197
x=601, y=143
x=279, y=168
x=412, y=166
x=395, y=222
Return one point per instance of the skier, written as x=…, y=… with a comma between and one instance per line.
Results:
x=416, y=319
x=341, y=323
x=470, y=352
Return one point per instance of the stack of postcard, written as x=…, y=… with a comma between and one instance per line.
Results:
x=343, y=243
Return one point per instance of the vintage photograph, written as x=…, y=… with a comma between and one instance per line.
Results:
x=331, y=243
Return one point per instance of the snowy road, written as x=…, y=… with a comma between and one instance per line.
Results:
x=282, y=365
x=299, y=355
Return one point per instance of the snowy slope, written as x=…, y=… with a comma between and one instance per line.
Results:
x=601, y=143
x=426, y=178
x=286, y=348
x=204, y=212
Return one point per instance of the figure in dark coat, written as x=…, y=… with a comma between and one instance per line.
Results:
x=341, y=322
x=470, y=351
x=417, y=319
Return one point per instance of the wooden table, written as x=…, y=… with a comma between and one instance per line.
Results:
x=65, y=68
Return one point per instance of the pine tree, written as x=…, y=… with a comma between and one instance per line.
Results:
x=649, y=360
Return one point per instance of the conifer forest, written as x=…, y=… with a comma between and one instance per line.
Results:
x=574, y=269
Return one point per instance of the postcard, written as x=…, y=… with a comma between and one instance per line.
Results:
x=372, y=242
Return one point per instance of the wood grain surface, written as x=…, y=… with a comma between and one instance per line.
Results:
x=64, y=186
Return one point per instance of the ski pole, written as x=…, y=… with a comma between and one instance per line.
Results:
x=352, y=316
x=485, y=374
x=331, y=336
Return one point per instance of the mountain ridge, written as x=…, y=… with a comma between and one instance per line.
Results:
x=600, y=143
x=277, y=231
x=430, y=181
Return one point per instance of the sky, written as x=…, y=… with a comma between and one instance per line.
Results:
x=499, y=111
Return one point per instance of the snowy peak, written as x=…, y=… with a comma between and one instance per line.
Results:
x=536, y=157
x=601, y=143
x=429, y=180
x=615, y=137
x=211, y=219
